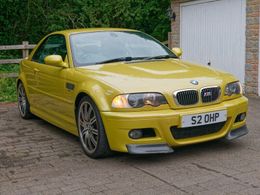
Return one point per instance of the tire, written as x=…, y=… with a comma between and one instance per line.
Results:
x=91, y=130
x=23, y=103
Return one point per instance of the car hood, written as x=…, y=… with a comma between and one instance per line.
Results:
x=156, y=76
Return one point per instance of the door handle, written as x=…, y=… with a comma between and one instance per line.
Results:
x=36, y=70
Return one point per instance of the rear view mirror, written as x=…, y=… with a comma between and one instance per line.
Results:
x=177, y=51
x=55, y=60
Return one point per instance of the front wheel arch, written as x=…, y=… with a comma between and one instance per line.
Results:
x=77, y=101
x=103, y=148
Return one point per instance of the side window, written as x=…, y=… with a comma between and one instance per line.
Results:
x=52, y=45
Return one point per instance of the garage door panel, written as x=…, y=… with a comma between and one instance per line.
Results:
x=215, y=32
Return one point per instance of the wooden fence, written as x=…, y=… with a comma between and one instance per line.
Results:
x=25, y=47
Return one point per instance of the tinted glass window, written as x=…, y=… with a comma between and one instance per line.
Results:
x=53, y=45
x=95, y=47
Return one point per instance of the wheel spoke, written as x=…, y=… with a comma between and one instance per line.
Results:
x=84, y=109
x=86, y=139
x=94, y=131
x=92, y=120
x=21, y=90
x=81, y=114
x=89, y=113
x=84, y=131
x=82, y=123
x=89, y=143
x=21, y=100
x=93, y=140
x=22, y=108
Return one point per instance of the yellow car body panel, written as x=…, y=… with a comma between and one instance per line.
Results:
x=119, y=124
x=50, y=100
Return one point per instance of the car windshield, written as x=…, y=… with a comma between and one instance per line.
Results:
x=91, y=48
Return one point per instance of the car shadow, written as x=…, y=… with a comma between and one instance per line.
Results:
x=54, y=130
x=215, y=146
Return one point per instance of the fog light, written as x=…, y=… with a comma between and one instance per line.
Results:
x=135, y=134
x=241, y=117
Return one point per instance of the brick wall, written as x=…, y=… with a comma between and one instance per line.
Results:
x=252, y=47
x=252, y=41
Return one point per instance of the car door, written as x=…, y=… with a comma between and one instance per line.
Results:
x=27, y=68
x=51, y=79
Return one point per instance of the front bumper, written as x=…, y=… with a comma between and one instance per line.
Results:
x=149, y=148
x=236, y=133
x=118, y=125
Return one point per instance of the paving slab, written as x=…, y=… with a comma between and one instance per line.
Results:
x=39, y=158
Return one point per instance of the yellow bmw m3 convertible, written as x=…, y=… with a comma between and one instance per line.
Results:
x=122, y=90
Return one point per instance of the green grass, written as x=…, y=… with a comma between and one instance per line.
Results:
x=7, y=89
x=6, y=68
x=8, y=85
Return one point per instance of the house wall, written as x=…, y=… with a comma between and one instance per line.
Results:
x=252, y=42
x=252, y=47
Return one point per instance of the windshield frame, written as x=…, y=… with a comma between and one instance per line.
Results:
x=171, y=54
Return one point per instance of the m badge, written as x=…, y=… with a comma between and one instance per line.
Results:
x=207, y=94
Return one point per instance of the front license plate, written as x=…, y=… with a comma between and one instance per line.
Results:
x=203, y=118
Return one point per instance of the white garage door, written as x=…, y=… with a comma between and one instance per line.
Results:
x=213, y=31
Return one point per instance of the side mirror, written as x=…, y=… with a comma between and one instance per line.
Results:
x=55, y=60
x=177, y=52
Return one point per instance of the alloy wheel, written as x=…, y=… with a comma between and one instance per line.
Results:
x=88, y=127
x=22, y=103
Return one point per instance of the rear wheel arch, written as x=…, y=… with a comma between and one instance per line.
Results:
x=23, y=81
x=18, y=82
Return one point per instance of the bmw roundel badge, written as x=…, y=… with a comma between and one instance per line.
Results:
x=194, y=82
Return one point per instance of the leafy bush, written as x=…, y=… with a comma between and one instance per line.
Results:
x=30, y=20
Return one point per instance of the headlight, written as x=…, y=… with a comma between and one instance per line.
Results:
x=138, y=100
x=233, y=88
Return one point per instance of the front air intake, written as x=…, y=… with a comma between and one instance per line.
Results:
x=210, y=94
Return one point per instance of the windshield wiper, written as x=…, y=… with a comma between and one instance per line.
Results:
x=116, y=60
x=128, y=58
x=160, y=57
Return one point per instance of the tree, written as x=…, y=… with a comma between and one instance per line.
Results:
x=32, y=19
